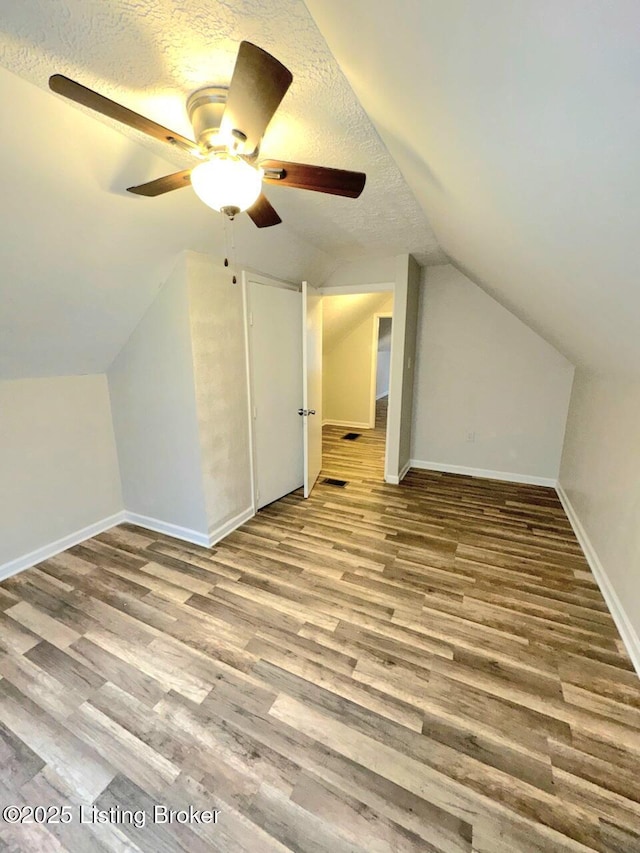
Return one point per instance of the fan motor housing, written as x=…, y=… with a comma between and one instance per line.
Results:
x=205, y=108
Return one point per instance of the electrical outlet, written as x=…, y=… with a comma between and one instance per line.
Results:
x=471, y=436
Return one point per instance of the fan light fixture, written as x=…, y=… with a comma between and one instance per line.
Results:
x=227, y=183
x=229, y=123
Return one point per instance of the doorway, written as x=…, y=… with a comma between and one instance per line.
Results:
x=357, y=332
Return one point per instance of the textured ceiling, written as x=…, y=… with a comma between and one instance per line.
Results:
x=517, y=126
x=150, y=54
x=80, y=258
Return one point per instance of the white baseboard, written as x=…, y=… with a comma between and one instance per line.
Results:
x=158, y=526
x=396, y=479
x=53, y=548
x=214, y=535
x=348, y=424
x=485, y=473
x=154, y=524
x=623, y=623
x=228, y=527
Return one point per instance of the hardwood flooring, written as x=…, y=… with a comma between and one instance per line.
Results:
x=428, y=667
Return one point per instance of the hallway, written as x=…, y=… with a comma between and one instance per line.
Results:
x=360, y=459
x=428, y=667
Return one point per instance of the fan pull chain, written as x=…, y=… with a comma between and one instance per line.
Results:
x=230, y=247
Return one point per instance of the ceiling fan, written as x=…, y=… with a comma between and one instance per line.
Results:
x=228, y=125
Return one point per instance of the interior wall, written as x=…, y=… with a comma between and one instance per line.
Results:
x=491, y=395
x=600, y=477
x=384, y=357
x=58, y=463
x=402, y=367
x=217, y=340
x=369, y=270
x=348, y=354
x=155, y=418
x=407, y=268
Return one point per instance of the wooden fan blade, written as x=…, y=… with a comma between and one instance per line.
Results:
x=316, y=178
x=88, y=98
x=163, y=185
x=258, y=84
x=263, y=213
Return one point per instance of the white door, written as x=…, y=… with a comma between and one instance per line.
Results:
x=312, y=384
x=275, y=354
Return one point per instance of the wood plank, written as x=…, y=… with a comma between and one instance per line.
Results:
x=426, y=667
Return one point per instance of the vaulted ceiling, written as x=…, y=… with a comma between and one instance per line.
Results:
x=341, y=314
x=517, y=126
x=80, y=259
x=503, y=134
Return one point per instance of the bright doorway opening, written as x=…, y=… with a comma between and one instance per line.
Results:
x=357, y=332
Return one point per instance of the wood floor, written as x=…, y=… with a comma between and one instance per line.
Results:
x=428, y=667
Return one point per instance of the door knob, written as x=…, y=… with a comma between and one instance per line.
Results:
x=303, y=412
x=312, y=411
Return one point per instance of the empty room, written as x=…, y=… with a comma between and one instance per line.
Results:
x=319, y=406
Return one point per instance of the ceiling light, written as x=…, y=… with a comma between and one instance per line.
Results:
x=227, y=183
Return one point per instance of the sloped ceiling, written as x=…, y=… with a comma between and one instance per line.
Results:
x=341, y=314
x=517, y=126
x=80, y=259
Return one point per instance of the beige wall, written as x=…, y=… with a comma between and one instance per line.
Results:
x=600, y=476
x=384, y=357
x=155, y=418
x=348, y=353
x=381, y=270
x=480, y=370
x=217, y=340
x=179, y=397
x=58, y=465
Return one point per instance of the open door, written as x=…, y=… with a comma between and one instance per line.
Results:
x=311, y=384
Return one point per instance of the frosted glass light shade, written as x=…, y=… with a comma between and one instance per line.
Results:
x=226, y=181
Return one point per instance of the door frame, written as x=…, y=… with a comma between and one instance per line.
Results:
x=269, y=281
x=312, y=365
x=374, y=363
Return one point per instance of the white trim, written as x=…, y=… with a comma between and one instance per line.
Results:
x=623, y=623
x=228, y=527
x=350, y=424
x=174, y=530
x=270, y=281
x=506, y=476
x=381, y=287
x=250, y=392
x=11, y=568
x=53, y=548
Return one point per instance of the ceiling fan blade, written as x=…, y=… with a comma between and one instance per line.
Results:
x=163, y=185
x=88, y=98
x=258, y=84
x=263, y=213
x=316, y=178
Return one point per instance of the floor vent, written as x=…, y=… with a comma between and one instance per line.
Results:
x=352, y=436
x=331, y=481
